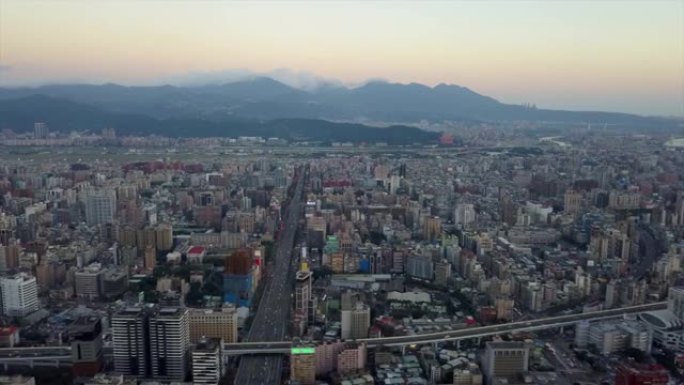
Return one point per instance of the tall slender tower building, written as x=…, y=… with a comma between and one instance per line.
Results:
x=303, y=303
x=169, y=344
x=131, y=342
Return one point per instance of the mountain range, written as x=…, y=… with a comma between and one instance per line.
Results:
x=66, y=116
x=260, y=102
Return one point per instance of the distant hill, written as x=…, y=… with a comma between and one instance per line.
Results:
x=64, y=115
x=266, y=99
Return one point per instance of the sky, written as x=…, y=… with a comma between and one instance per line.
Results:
x=598, y=55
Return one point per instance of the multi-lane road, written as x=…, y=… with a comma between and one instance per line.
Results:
x=272, y=316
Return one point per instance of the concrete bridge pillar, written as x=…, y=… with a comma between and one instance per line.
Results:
x=403, y=350
x=31, y=363
x=458, y=344
x=562, y=329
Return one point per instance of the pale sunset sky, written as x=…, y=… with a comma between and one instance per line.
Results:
x=600, y=55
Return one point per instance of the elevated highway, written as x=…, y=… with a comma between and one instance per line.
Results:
x=273, y=351
x=271, y=347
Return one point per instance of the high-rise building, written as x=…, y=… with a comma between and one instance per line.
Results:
x=100, y=207
x=470, y=376
x=221, y=324
x=355, y=321
x=246, y=203
x=50, y=274
x=146, y=237
x=169, y=343
x=164, y=237
x=641, y=374
x=464, y=215
x=337, y=262
x=326, y=356
x=607, y=337
x=207, y=361
x=572, y=201
x=40, y=130
x=421, y=267
x=675, y=301
x=85, y=335
x=9, y=257
x=19, y=295
x=108, y=133
x=624, y=200
x=395, y=184
x=352, y=358
x=303, y=303
x=303, y=364
x=505, y=359
x=432, y=227
x=679, y=208
x=89, y=281
x=130, y=340
x=150, y=258
x=504, y=308
x=582, y=334
x=442, y=273
x=114, y=283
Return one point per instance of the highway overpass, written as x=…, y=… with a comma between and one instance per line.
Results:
x=272, y=347
x=61, y=355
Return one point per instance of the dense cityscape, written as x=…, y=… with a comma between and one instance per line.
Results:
x=340, y=192
x=509, y=259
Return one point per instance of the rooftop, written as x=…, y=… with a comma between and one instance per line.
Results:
x=207, y=345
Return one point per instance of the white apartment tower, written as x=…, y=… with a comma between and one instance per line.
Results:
x=100, y=207
x=130, y=342
x=355, y=321
x=19, y=295
x=464, y=214
x=169, y=344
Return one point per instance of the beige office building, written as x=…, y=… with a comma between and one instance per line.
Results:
x=220, y=323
